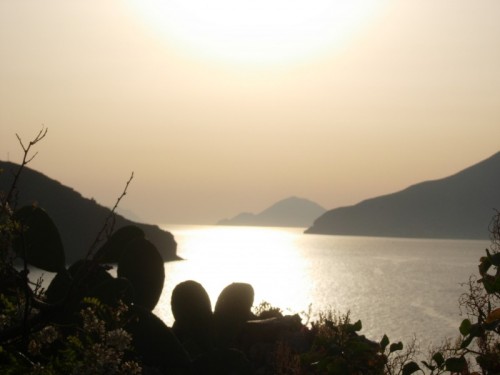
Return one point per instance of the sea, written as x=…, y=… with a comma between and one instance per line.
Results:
x=405, y=288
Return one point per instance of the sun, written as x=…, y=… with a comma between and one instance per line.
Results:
x=257, y=31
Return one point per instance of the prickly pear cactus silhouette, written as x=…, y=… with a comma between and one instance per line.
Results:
x=142, y=265
x=38, y=241
x=112, y=249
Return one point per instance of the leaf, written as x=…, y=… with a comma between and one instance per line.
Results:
x=495, y=259
x=493, y=316
x=485, y=265
x=384, y=342
x=467, y=341
x=465, y=327
x=410, y=367
x=438, y=358
x=491, y=326
x=476, y=330
x=40, y=243
x=396, y=346
x=456, y=364
x=356, y=326
x=496, y=285
x=489, y=283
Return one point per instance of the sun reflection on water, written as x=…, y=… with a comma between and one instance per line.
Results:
x=377, y=280
x=267, y=258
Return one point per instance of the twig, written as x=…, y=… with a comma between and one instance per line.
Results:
x=109, y=223
x=26, y=159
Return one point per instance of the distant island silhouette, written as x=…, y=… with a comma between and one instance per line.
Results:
x=459, y=206
x=289, y=212
x=78, y=219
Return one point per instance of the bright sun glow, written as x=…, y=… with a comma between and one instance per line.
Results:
x=263, y=257
x=257, y=31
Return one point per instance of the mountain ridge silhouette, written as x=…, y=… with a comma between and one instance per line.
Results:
x=289, y=212
x=458, y=206
x=78, y=219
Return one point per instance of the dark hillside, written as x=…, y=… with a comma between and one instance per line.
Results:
x=458, y=206
x=78, y=219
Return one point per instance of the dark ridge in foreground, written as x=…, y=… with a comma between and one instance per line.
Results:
x=78, y=219
x=459, y=206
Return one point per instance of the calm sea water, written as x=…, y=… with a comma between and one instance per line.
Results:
x=400, y=287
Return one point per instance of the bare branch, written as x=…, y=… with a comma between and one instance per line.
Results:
x=26, y=159
x=109, y=223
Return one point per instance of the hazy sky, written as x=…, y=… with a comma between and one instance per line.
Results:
x=220, y=107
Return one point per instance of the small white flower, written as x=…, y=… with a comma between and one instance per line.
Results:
x=119, y=339
x=103, y=357
x=49, y=334
x=120, y=310
x=4, y=320
x=91, y=323
x=130, y=368
x=34, y=347
x=37, y=369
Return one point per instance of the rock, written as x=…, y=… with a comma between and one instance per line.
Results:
x=269, y=330
x=261, y=340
